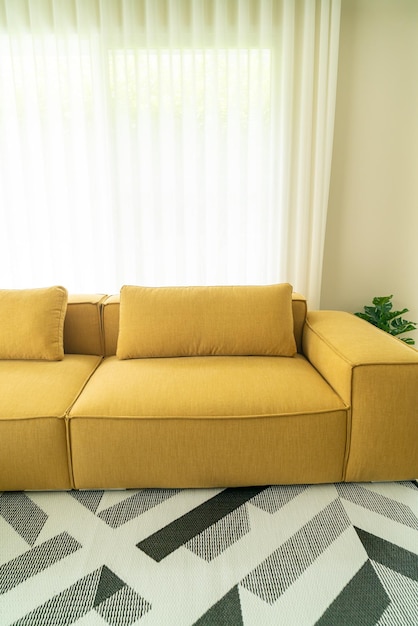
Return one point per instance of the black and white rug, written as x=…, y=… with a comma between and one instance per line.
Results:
x=285, y=555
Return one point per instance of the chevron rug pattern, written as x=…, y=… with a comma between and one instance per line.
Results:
x=326, y=555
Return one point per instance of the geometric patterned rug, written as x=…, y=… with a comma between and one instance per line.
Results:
x=329, y=555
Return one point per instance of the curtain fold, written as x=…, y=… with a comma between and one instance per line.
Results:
x=164, y=142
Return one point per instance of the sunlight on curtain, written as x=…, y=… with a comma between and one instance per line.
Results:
x=164, y=142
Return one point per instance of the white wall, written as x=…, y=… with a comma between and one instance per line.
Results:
x=371, y=245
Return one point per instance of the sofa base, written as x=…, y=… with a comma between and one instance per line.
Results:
x=208, y=453
x=215, y=422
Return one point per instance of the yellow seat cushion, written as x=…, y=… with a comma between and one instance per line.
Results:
x=32, y=323
x=205, y=386
x=34, y=399
x=206, y=421
x=198, y=321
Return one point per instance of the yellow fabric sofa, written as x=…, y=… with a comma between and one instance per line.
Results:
x=37, y=393
x=181, y=388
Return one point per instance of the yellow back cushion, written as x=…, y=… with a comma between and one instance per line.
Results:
x=198, y=321
x=32, y=323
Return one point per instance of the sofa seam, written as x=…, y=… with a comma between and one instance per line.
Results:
x=101, y=324
x=63, y=313
x=67, y=422
x=349, y=408
x=344, y=408
x=328, y=343
x=351, y=362
x=349, y=429
x=69, y=453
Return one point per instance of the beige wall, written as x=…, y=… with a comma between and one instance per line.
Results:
x=371, y=245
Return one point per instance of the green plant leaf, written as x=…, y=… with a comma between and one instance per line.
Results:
x=394, y=314
x=382, y=316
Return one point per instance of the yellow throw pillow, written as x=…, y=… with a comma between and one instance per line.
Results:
x=32, y=323
x=192, y=321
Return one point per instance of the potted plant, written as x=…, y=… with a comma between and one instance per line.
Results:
x=382, y=316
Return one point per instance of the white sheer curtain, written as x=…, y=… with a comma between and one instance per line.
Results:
x=164, y=142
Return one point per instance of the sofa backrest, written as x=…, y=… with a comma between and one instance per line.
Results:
x=83, y=328
x=110, y=316
x=92, y=323
x=300, y=309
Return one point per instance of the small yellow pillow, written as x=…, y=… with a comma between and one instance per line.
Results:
x=192, y=321
x=32, y=323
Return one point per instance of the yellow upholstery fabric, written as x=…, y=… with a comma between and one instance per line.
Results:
x=384, y=427
x=184, y=386
x=378, y=376
x=191, y=321
x=345, y=410
x=34, y=398
x=33, y=455
x=111, y=306
x=83, y=333
x=32, y=322
x=299, y=308
x=165, y=414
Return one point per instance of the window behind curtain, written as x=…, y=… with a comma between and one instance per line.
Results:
x=158, y=141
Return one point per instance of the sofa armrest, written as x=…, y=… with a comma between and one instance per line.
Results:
x=377, y=376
